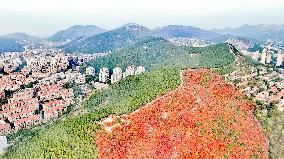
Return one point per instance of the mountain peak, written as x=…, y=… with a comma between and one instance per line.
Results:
x=76, y=31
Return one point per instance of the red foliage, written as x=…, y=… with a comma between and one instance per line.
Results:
x=205, y=118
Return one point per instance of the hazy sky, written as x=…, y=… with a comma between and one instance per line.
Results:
x=44, y=17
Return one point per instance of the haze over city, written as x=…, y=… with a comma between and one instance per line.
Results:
x=45, y=17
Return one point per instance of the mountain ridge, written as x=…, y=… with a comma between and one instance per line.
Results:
x=76, y=31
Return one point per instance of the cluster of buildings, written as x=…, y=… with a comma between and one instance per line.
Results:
x=32, y=86
x=182, y=41
x=30, y=106
x=269, y=57
x=261, y=84
x=271, y=54
x=118, y=74
x=36, y=93
x=54, y=60
x=10, y=61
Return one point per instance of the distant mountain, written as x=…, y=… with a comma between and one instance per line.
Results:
x=129, y=24
x=22, y=37
x=184, y=31
x=157, y=52
x=75, y=32
x=259, y=32
x=10, y=45
x=109, y=41
x=129, y=33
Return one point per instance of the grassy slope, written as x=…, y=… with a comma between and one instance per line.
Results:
x=73, y=138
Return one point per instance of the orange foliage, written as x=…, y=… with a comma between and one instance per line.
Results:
x=204, y=118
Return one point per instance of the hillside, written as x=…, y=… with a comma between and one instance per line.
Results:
x=109, y=41
x=22, y=37
x=73, y=138
x=204, y=118
x=242, y=43
x=10, y=45
x=183, y=31
x=158, y=52
x=75, y=32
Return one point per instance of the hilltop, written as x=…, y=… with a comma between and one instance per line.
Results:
x=157, y=52
x=75, y=32
x=10, y=45
x=184, y=31
x=108, y=41
x=22, y=37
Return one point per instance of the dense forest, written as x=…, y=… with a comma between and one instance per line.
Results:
x=156, y=52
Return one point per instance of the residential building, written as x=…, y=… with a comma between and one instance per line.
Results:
x=139, y=70
x=104, y=75
x=117, y=75
x=90, y=71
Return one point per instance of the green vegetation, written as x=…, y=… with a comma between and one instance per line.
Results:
x=72, y=138
x=225, y=69
x=272, y=122
x=157, y=52
x=252, y=62
x=127, y=95
x=108, y=41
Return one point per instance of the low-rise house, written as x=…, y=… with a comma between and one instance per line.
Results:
x=54, y=109
x=22, y=95
x=27, y=122
x=48, y=92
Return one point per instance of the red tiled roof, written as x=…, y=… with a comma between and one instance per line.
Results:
x=18, y=108
x=54, y=109
x=33, y=117
x=4, y=126
x=21, y=113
